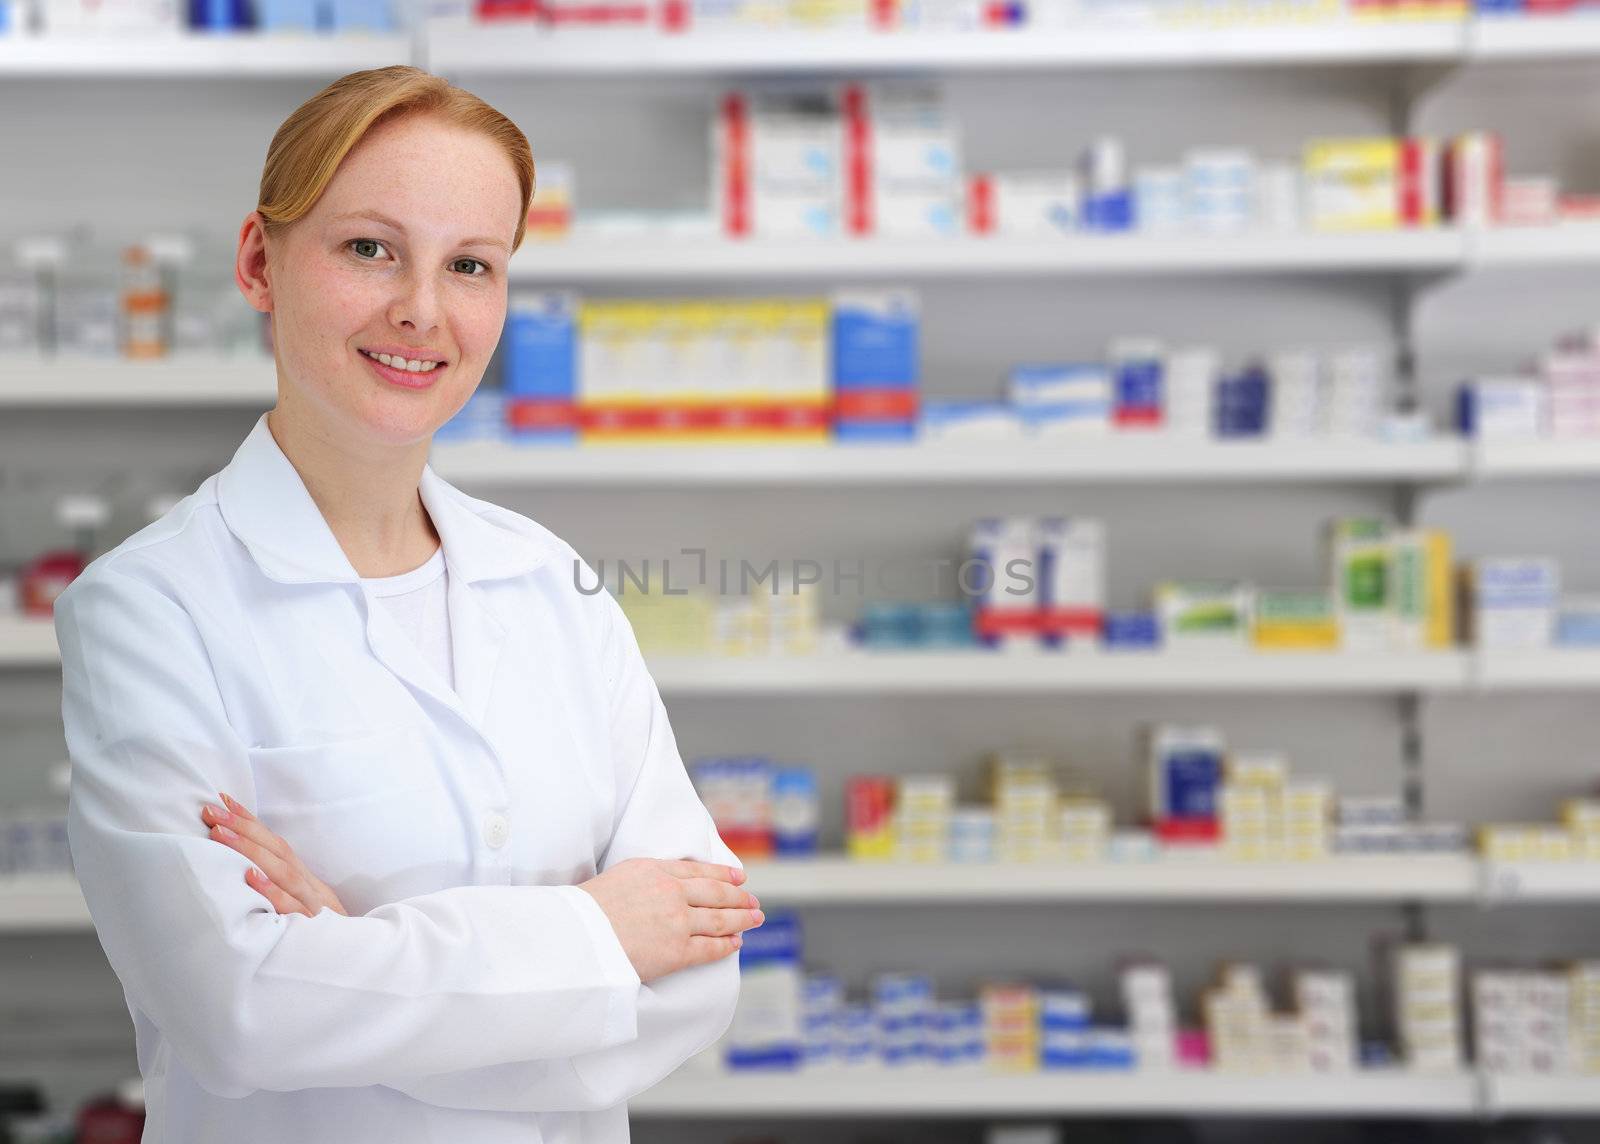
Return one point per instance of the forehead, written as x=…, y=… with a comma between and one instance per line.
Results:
x=430, y=175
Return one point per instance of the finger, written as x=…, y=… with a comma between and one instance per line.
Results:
x=281, y=873
x=723, y=923
x=710, y=892
x=236, y=806
x=250, y=828
x=685, y=868
x=708, y=949
x=282, y=901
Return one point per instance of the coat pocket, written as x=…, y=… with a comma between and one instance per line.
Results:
x=342, y=774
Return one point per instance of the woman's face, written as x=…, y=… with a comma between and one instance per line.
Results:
x=404, y=256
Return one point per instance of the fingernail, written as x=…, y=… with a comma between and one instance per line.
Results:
x=738, y=940
x=760, y=917
x=233, y=803
x=256, y=870
x=225, y=832
x=217, y=813
x=738, y=875
x=753, y=902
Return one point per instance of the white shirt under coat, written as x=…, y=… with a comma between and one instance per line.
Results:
x=475, y=995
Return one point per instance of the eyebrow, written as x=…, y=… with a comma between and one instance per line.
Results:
x=384, y=220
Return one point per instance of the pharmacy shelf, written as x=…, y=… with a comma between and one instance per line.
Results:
x=467, y=49
x=1124, y=457
x=42, y=903
x=1509, y=883
x=1532, y=1095
x=259, y=56
x=1557, y=669
x=1533, y=37
x=840, y=881
x=628, y=260
x=1543, y=457
x=1028, y=671
x=180, y=380
x=975, y=1091
x=1564, y=244
x=28, y=643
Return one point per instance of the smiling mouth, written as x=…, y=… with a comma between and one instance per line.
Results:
x=410, y=365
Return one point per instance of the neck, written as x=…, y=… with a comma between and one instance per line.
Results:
x=368, y=493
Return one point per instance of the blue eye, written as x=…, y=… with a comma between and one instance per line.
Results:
x=367, y=247
x=466, y=265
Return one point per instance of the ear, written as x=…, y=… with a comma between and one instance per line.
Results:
x=250, y=263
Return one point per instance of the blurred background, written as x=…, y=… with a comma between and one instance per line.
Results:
x=1267, y=332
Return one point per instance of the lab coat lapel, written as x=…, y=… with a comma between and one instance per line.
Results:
x=400, y=654
x=477, y=637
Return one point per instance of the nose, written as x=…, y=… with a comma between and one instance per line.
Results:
x=416, y=307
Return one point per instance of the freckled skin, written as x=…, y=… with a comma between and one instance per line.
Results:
x=424, y=285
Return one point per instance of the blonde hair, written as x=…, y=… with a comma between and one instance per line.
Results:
x=313, y=141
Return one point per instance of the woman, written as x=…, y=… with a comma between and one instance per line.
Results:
x=477, y=899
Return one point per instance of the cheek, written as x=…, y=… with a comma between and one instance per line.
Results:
x=478, y=325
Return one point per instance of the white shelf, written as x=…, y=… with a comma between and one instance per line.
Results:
x=158, y=55
x=39, y=904
x=1512, y=882
x=1563, y=244
x=653, y=258
x=178, y=380
x=1558, y=669
x=28, y=643
x=1542, y=457
x=1533, y=37
x=930, y=1092
x=1118, y=457
x=838, y=880
x=1533, y=1095
x=468, y=49
x=1042, y=673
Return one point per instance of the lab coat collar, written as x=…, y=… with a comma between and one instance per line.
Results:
x=266, y=505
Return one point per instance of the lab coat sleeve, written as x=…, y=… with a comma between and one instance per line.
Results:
x=470, y=976
x=679, y=1015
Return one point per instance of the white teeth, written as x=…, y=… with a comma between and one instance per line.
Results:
x=410, y=365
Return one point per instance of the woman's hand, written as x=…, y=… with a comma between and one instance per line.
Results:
x=278, y=874
x=670, y=915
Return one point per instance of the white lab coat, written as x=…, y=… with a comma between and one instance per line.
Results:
x=474, y=995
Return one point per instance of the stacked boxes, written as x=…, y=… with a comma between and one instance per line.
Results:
x=1010, y=1026
x=1576, y=838
x=1243, y=405
x=1186, y=775
x=1521, y=1020
x=922, y=812
x=822, y=1004
x=1136, y=368
x=738, y=794
x=775, y=165
x=540, y=375
x=1392, y=587
x=875, y=365
x=1204, y=617
x=697, y=371
x=1062, y=399
x=1190, y=377
x=1583, y=988
x=1372, y=184
x=1238, y=1021
x=1356, y=395
x=1027, y=814
x=1147, y=998
x=902, y=1010
x=956, y=1033
x=1512, y=602
x=1325, y=1003
x=1295, y=621
x=901, y=163
x=1040, y=579
x=869, y=818
x=1250, y=807
x=1427, y=984
x=1085, y=829
x=696, y=622
x=767, y=1029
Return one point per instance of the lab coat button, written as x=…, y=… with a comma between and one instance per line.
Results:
x=495, y=830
